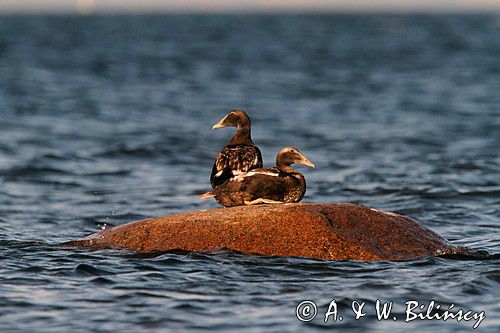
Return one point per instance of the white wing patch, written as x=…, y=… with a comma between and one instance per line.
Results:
x=267, y=172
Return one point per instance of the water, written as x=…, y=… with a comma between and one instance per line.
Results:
x=106, y=120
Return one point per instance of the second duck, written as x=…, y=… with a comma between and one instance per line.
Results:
x=281, y=184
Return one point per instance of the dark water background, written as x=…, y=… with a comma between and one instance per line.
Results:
x=106, y=120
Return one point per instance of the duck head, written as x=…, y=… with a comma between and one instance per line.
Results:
x=291, y=155
x=235, y=118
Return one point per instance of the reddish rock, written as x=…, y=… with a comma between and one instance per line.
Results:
x=326, y=231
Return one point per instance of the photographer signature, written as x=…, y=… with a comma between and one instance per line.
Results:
x=307, y=311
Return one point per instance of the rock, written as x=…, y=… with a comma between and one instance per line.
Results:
x=326, y=231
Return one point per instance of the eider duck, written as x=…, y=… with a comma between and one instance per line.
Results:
x=281, y=184
x=240, y=155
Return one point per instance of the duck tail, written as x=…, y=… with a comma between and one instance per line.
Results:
x=207, y=195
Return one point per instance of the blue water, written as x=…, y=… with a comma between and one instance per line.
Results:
x=106, y=120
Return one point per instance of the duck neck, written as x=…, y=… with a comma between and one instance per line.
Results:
x=287, y=168
x=242, y=136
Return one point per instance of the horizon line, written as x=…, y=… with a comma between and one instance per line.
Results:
x=112, y=11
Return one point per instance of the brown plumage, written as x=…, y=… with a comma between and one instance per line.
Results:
x=281, y=184
x=240, y=155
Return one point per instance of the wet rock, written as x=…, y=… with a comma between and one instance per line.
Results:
x=339, y=231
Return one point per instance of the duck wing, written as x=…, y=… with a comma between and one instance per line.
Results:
x=233, y=161
x=262, y=184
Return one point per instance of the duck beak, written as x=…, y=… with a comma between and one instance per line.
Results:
x=305, y=161
x=220, y=124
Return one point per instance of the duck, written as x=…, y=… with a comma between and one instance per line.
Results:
x=280, y=184
x=240, y=154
